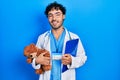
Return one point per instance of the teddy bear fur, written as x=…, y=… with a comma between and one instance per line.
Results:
x=29, y=50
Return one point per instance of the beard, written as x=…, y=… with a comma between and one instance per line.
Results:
x=56, y=26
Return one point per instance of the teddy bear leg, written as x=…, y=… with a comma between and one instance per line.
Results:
x=46, y=67
x=39, y=71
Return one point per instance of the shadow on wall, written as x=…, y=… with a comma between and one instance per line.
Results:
x=24, y=70
x=42, y=23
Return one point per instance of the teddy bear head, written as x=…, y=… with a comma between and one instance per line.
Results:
x=31, y=51
x=28, y=51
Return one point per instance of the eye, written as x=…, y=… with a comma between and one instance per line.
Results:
x=58, y=14
x=50, y=15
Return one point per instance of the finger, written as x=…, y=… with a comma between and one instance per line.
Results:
x=43, y=53
x=65, y=63
x=47, y=58
x=65, y=58
x=47, y=62
x=66, y=55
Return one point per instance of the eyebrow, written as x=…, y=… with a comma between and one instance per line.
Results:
x=54, y=13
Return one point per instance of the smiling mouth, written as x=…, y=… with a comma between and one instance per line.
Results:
x=54, y=22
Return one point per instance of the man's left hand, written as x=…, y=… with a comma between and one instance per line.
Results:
x=66, y=59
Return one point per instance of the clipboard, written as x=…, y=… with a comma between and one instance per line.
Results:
x=71, y=48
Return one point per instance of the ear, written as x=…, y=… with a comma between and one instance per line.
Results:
x=63, y=16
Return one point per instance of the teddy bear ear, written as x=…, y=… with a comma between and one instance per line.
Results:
x=32, y=45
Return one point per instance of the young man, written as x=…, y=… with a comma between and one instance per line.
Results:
x=55, y=41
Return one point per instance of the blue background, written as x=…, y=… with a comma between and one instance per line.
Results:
x=97, y=22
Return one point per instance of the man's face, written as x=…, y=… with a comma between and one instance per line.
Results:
x=56, y=18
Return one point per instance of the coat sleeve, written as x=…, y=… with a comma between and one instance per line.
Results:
x=38, y=44
x=80, y=58
x=34, y=65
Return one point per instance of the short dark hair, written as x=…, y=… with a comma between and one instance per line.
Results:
x=56, y=6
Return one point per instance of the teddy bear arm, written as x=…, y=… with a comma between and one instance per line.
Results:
x=29, y=60
x=39, y=71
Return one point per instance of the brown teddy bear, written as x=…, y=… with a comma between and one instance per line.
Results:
x=31, y=51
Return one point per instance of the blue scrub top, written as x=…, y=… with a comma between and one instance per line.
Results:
x=56, y=49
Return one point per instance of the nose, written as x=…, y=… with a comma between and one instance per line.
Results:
x=54, y=17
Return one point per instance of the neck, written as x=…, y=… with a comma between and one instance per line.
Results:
x=57, y=32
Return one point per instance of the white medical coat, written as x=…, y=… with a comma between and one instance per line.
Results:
x=79, y=60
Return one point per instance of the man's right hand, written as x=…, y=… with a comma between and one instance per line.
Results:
x=41, y=59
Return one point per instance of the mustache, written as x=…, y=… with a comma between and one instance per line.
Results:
x=53, y=21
